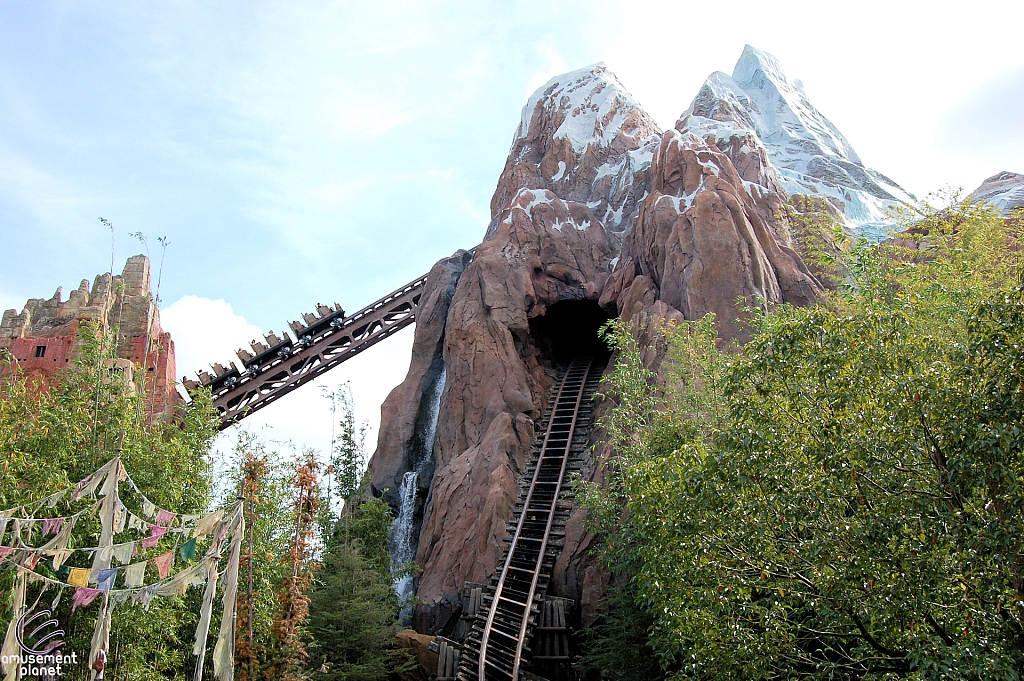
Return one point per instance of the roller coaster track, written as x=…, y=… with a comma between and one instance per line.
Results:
x=495, y=647
x=325, y=340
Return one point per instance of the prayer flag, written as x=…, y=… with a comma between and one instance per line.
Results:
x=146, y=595
x=165, y=518
x=188, y=550
x=78, y=490
x=123, y=552
x=148, y=508
x=120, y=515
x=52, y=525
x=134, y=575
x=163, y=564
x=105, y=579
x=207, y=524
x=5, y=551
x=83, y=597
x=78, y=577
x=155, y=533
x=59, y=556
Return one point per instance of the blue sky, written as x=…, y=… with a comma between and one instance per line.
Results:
x=302, y=152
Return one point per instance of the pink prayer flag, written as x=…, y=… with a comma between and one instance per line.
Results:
x=83, y=597
x=165, y=518
x=81, y=483
x=5, y=551
x=155, y=533
x=52, y=525
x=163, y=564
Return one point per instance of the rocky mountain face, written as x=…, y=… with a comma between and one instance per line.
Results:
x=758, y=112
x=597, y=214
x=1004, y=191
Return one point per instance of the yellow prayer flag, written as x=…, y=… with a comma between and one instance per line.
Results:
x=78, y=577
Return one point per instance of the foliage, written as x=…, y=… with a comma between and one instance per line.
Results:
x=816, y=229
x=289, y=650
x=615, y=646
x=843, y=498
x=348, y=454
x=52, y=435
x=262, y=479
x=353, y=608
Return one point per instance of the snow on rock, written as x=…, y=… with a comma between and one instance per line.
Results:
x=759, y=111
x=1004, y=191
x=584, y=137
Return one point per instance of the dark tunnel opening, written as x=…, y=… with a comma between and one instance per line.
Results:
x=569, y=329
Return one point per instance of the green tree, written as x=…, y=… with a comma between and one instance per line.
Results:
x=842, y=499
x=353, y=607
x=347, y=461
x=52, y=435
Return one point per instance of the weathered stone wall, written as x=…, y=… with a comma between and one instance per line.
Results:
x=43, y=337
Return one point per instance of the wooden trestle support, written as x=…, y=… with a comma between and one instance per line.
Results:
x=496, y=647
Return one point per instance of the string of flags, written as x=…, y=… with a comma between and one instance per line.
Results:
x=49, y=562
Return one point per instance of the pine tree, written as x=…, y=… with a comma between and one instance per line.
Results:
x=353, y=608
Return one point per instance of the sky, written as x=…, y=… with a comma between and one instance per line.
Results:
x=301, y=152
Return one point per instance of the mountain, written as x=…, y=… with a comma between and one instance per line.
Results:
x=597, y=214
x=584, y=137
x=1004, y=191
x=761, y=105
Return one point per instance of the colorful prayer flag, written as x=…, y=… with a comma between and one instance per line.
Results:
x=163, y=564
x=78, y=577
x=155, y=532
x=83, y=597
x=105, y=579
x=52, y=525
x=188, y=550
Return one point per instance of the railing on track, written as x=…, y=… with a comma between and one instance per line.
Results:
x=496, y=645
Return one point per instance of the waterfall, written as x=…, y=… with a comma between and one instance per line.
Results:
x=403, y=539
x=403, y=549
x=431, y=432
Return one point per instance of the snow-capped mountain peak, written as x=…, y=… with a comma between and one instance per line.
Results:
x=808, y=153
x=781, y=106
x=593, y=105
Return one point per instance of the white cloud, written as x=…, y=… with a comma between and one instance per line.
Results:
x=207, y=331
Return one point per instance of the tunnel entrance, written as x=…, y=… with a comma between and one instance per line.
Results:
x=569, y=329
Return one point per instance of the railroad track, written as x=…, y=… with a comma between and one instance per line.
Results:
x=496, y=648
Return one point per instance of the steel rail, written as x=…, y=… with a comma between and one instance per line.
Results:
x=260, y=386
x=579, y=371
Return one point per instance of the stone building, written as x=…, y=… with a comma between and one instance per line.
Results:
x=43, y=338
